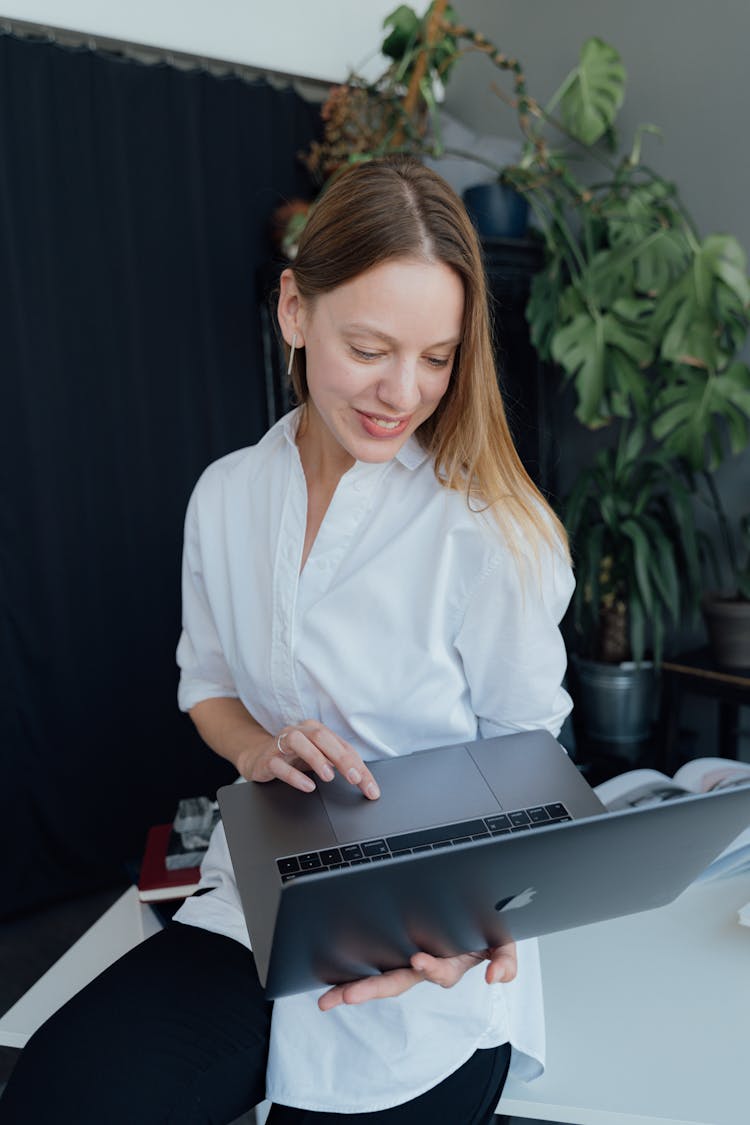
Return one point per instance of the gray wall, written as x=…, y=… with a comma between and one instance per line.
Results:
x=688, y=65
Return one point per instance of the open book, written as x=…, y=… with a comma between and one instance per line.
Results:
x=702, y=775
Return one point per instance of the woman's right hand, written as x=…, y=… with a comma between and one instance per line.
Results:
x=304, y=748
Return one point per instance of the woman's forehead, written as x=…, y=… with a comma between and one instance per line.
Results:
x=398, y=296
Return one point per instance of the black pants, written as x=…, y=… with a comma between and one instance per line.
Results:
x=176, y=1033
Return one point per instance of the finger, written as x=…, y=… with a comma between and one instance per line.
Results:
x=284, y=770
x=316, y=744
x=445, y=971
x=298, y=743
x=346, y=760
x=379, y=987
x=503, y=964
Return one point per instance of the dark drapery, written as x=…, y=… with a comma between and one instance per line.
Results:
x=134, y=203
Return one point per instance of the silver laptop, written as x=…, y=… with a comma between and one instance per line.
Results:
x=467, y=847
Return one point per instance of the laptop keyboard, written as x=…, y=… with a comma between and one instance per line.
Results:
x=421, y=840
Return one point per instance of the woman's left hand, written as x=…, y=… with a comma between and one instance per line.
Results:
x=445, y=971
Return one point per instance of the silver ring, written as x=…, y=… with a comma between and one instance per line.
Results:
x=284, y=753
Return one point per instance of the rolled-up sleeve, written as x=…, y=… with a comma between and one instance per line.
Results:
x=204, y=673
x=511, y=646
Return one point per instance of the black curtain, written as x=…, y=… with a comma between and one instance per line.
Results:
x=134, y=206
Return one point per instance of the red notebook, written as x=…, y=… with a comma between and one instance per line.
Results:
x=155, y=880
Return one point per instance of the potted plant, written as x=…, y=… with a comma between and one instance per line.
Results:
x=629, y=518
x=645, y=319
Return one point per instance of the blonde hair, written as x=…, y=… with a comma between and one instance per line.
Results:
x=397, y=208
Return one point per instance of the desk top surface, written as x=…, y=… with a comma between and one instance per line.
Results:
x=647, y=1017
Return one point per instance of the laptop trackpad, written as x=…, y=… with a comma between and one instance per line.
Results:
x=414, y=794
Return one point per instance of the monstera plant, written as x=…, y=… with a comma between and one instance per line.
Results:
x=645, y=318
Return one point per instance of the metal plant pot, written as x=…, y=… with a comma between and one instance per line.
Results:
x=615, y=702
x=728, y=627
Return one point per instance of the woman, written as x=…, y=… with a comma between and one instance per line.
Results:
x=377, y=575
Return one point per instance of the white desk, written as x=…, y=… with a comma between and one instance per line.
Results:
x=648, y=1018
x=127, y=922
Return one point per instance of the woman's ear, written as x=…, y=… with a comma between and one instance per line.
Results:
x=290, y=310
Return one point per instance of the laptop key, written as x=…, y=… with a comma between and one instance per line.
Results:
x=309, y=861
x=461, y=840
x=423, y=848
x=481, y=836
x=357, y=862
x=538, y=815
x=403, y=851
x=286, y=866
x=521, y=828
x=520, y=816
x=337, y=866
x=495, y=822
x=375, y=847
x=501, y=831
x=377, y=858
x=351, y=851
x=330, y=856
x=556, y=810
x=442, y=844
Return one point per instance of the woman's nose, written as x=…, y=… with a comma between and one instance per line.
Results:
x=400, y=388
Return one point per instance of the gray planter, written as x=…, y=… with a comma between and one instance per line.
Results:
x=615, y=702
x=728, y=627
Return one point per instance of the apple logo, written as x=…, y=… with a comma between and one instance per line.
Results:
x=513, y=902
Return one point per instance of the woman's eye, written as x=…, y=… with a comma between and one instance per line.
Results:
x=437, y=360
x=360, y=353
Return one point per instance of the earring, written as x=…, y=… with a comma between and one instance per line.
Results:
x=291, y=355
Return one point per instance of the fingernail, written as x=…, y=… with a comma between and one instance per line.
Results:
x=308, y=784
x=326, y=773
x=372, y=791
x=354, y=776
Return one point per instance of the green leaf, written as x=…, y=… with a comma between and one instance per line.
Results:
x=697, y=310
x=690, y=413
x=729, y=262
x=594, y=92
x=404, y=24
x=579, y=349
x=602, y=354
x=641, y=553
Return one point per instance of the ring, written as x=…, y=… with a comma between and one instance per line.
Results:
x=284, y=753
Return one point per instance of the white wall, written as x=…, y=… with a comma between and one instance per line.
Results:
x=321, y=39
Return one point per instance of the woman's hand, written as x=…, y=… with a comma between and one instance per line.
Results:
x=308, y=744
x=445, y=971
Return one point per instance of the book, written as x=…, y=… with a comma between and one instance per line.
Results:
x=701, y=775
x=155, y=881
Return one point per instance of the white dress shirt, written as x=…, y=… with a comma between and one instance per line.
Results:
x=409, y=627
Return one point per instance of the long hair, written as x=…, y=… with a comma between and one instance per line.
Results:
x=394, y=208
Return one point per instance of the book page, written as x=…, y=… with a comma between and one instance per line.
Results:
x=703, y=775
x=637, y=787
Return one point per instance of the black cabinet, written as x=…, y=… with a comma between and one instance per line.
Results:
x=524, y=380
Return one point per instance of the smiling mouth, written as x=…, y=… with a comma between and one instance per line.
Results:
x=384, y=423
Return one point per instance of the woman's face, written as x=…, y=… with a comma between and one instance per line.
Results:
x=379, y=352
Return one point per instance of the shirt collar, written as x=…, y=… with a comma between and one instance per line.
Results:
x=411, y=455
